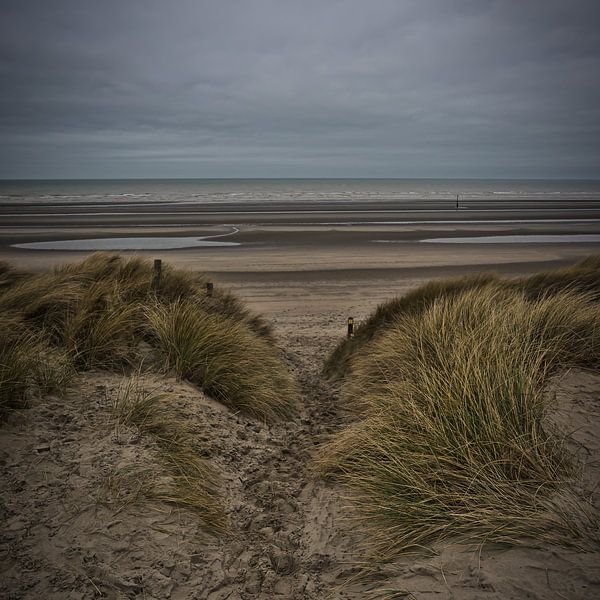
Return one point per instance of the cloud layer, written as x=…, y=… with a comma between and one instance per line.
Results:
x=335, y=88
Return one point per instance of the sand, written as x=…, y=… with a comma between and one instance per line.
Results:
x=69, y=478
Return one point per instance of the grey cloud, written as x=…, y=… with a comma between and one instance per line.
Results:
x=282, y=88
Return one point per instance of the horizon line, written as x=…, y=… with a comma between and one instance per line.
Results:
x=20, y=179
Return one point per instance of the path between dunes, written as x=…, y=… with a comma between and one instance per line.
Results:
x=68, y=534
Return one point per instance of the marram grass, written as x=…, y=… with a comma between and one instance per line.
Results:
x=226, y=360
x=100, y=330
x=190, y=482
x=581, y=277
x=452, y=438
x=103, y=311
x=414, y=302
x=50, y=298
x=28, y=365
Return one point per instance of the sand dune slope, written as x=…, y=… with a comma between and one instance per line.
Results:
x=78, y=522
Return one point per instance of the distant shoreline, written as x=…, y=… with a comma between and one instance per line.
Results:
x=316, y=231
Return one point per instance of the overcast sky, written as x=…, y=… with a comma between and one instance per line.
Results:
x=301, y=88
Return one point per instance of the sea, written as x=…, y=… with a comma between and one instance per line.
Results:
x=290, y=191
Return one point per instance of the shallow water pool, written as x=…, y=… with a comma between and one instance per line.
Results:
x=518, y=239
x=127, y=243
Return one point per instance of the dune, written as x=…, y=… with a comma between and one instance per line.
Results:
x=90, y=467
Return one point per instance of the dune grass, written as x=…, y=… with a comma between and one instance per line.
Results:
x=583, y=277
x=28, y=365
x=225, y=359
x=107, y=312
x=18, y=351
x=125, y=486
x=191, y=481
x=50, y=298
x=9, y=275
x=452, y=438
x=101, y=311
x=99, y=331
x=414, y=302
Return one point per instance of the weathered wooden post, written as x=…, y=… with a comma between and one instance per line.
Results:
x=350, y=327
x=157, y=273
x=209, y=289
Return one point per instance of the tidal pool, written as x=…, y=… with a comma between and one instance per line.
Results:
x=518, y=239
x=128, y=243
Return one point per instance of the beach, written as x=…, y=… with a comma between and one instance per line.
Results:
x=316, y=252
x=306, y=269
x=300, y=300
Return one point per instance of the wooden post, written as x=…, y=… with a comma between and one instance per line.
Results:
x=209, y=289
x=157, y=273
x=350, y=327
x=456, y=201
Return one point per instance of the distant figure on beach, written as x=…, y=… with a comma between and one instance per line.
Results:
x=456, y=201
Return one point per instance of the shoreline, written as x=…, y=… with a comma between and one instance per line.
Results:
x=297, y=261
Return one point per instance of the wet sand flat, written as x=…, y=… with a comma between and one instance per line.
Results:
x=315, y=254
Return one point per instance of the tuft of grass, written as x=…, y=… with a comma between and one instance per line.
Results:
x=28, y=365
x=581, y=277
x=42, y=300
x=18, y=349
x=100, y=329
x=134, y=406
x=191, y=483
x=10, y=275
x=134, y=277
x=229, y=362
x=53, y=372
x=451, y=439
x=412, y=303
x=126, y=486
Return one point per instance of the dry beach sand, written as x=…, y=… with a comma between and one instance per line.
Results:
x=72, y=530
